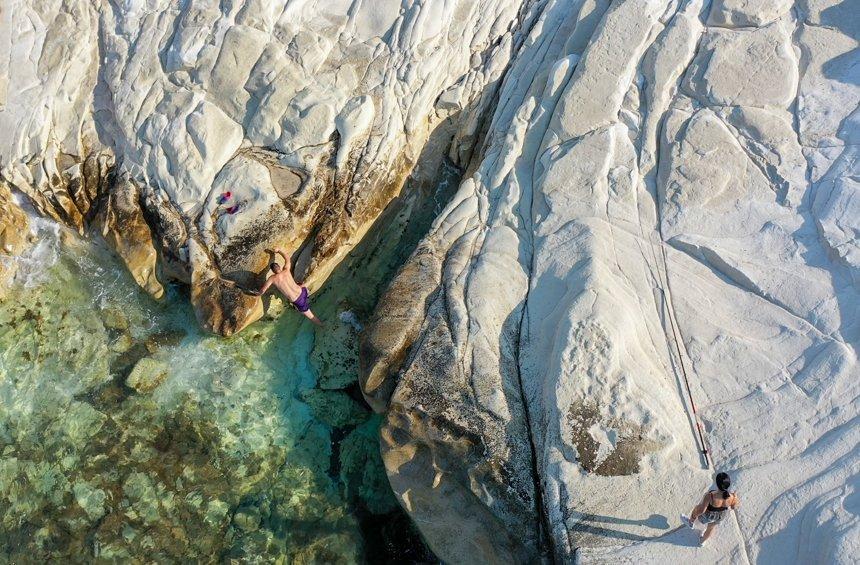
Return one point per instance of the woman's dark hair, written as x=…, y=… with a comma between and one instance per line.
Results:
x=723, y=483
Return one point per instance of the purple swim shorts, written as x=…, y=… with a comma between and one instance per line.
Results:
x=302, y=303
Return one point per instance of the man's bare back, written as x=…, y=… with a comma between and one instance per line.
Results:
x=283, y=280
x=288, y=286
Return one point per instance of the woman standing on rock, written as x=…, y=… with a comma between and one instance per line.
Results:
x=714, y=505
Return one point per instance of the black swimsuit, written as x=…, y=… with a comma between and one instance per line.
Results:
x=712, y=508
x=714, y=514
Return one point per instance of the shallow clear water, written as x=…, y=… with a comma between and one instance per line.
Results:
x=125, y=432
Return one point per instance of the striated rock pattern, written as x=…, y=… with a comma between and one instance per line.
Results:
x=663, y=189
x=309, y=114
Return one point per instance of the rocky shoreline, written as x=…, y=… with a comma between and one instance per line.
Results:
x=126, y=431
x=632, y=191
x=307, y=148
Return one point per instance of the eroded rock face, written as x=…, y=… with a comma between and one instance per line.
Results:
x=124, y=227
x=14, y=228
x=242, y=125
x=661, y=185
x=746, y=13
x=745, y=68
x=395, y=326
x=221, y=306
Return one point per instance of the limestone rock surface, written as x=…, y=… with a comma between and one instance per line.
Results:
x=242, y=125
x=665, y=191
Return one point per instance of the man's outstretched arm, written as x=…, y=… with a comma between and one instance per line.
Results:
x=264, y=288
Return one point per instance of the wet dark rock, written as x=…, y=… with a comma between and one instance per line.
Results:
x=114, y=319
x=337, y=357
x=335, y=408
x=247, y=518
x=165, y=338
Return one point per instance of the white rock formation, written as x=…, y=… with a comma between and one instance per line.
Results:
x=661, y=184
x=659, y=188
x=310, y=113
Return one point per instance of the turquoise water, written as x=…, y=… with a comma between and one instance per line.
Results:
x=126, y=433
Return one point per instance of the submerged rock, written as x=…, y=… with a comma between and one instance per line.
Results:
x=90, y=499
x=247, y=519
x=114, y=319
x=337, y=357
x=335, y=408
x=146, y=375
x=168, y=338
x=362, y=470
x=186, y=470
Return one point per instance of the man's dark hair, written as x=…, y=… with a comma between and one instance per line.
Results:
x=272, y=265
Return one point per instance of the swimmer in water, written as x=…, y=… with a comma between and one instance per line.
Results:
x=284, y=281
